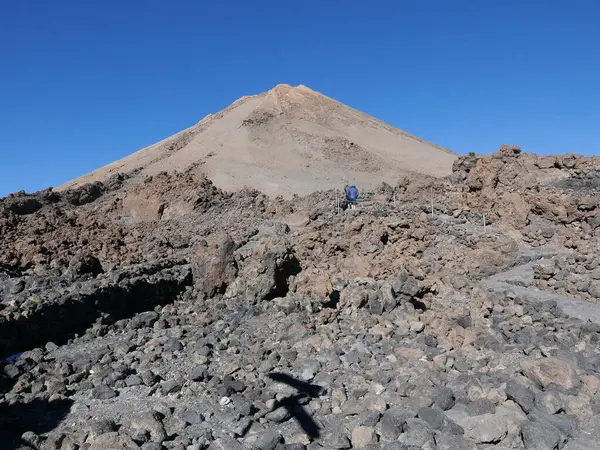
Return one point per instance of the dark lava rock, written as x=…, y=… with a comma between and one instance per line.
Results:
x=103, y=393
x=444, y=398
x=521, y=395
x=23, y=205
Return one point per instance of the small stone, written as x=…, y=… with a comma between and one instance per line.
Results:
x=392, y=423
x=417, y=326
x=173, y=345
x=444, y=398
x=394, y=446
x=192, y=417
x=591, y=384
x=51, y=347
x=485, y=429
x=31, y=439
x=549, y=402
x=149, y=422
x=103, y=393
x=279, y=415
x=149, y=378
x=12, y=371
x=480, y=407
x=434, y=417
x=540, y=436
x=363, y=437
x=418, y=434
x=263, y=441
x=521, y=395
x=369, y=418
x=172, y=386
x=546, y=371
x=199, y=373
x=133, y=380
x=112, y=441
x=378, y=404
x=464, y=321
x=307, y=375
x=431, y=341
x=226, y=443
x=102, y=426
x=449, y=442
x=224, y=401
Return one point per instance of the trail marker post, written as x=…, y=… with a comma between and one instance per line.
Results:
x=484, y=225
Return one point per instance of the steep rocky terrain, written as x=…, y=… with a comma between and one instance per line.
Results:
x=289, y=140
x=162, y=312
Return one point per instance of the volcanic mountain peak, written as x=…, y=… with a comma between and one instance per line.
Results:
x=288, y=140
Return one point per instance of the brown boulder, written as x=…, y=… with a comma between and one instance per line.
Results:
x=546, y=371
x=214, y=266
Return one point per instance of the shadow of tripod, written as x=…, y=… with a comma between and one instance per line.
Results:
x=294, y=403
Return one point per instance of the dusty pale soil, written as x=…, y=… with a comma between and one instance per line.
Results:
x=289, y=140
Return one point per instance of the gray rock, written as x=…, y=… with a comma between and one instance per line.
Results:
x=522, y=396
x=97, y=427
x=565, y=424
x=263, y=441
x=464, y=321
x=435, y=418
x=171, y=386
x=149, y=378
x=113, y=441
x=405, y=286
x=444, y=398
x=199, y=373
x=336, y=439
x=31, y=439
x=144, y=319
x=480, y=407
x=417, y=434
x=133, y=380
x=192, y=417
x=12, y=371
x=431, y=341
x=149, y=422
x=214, y=266
x=279, y=415
x=103, y=393
x=540, y=436
x=363, y=437
x=486, y=429
x=172, y=345
x=547, y=371
x=226, y=443
x=449, y=442
x=549, y=402
x=152, y=446
x=369, y=418
x=394, y=446
x=392, y=423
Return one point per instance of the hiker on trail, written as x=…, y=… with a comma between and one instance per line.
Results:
x=351, y=195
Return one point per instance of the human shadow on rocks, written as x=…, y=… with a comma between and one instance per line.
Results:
x=35, y=418
x=418, y=304
x=294, y=403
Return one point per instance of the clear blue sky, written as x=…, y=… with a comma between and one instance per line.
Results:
x=85, y=83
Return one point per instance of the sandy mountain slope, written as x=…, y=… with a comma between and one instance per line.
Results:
x=289, y=140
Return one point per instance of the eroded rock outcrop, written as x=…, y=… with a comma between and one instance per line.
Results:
x=205, y=319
